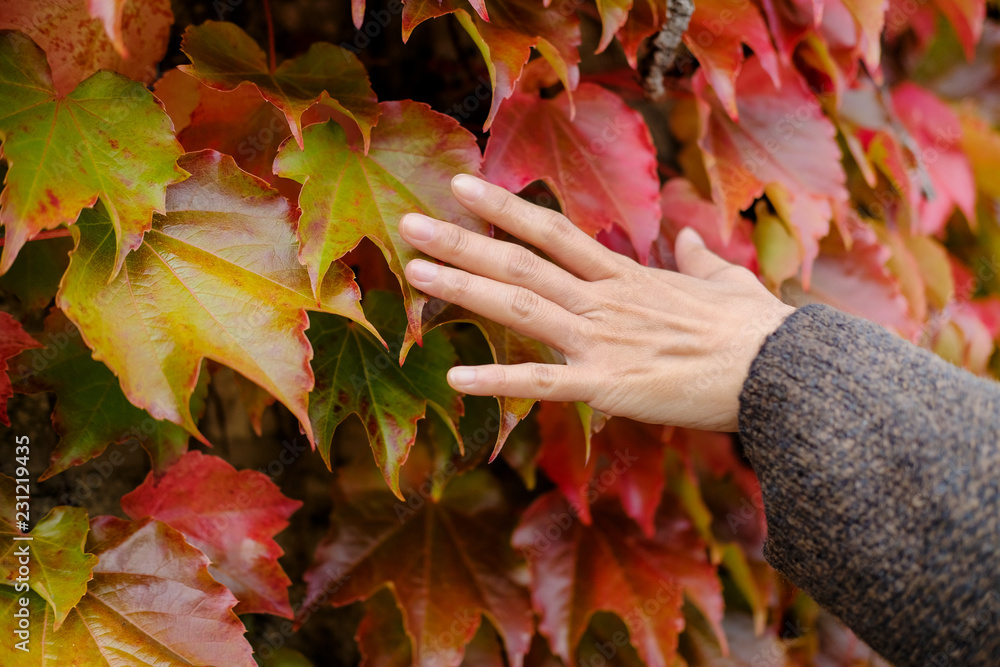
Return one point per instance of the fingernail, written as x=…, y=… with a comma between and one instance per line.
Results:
x=462, y=375
x=468, y=187
x=421, y=271
x=693, y=236
x=417, y=227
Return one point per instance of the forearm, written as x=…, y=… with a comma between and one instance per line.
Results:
x=880, y=469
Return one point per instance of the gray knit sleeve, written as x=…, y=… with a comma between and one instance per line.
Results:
x=880, y=470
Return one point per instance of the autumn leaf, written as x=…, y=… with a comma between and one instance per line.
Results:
x=217, y=277
x=75, y=37
x=938, y=135
x=447, y=562
x=34, y=277
x=507, y=347
x=347, y=195
x=625, y=461
x=966, y=18
x=643, y=21
x=716, y=35
x=782, y=142
x=239, y=123
x=600, y=163
x=106, y=140
x=515, y=27
x=151, y=600
x=356, y=374
x=610, y=565
x=91, y=412
x=981, y=143
x=790, y=21
x=223, y=56
x=13, y=341
x=230, y=516
x=683, y=206
x=59, y=566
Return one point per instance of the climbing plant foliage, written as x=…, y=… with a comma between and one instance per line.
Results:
x=229, y=215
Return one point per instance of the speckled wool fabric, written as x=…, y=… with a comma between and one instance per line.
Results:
x=880, y=469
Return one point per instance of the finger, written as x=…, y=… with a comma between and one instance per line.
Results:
x=696, y=260
x=551, y=382
x=499, y=260
x=545, y=229
x=516, y=307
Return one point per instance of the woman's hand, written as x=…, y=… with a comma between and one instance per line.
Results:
x=645, y=343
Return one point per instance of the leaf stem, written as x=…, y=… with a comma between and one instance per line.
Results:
x=270, y=35
x=41, y=236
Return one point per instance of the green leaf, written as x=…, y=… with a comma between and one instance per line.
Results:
x=91, y=411
x=34, y=277
x=355, y=374
x=223, y=56
x=59, y=567
x=347, y=196
x=217, y=277
x=107, y=140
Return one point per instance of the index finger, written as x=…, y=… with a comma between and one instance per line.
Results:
x=547, y=230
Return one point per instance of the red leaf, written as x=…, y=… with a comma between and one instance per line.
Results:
x=611, y=565
x=626, y=460
x=684, y=207
x=13, y=341
x=506, y=40
x=858, y=282
x=231, y=516
x=790, y=21
x=938, y=133
x=447, y=562
x=716, y=35
x=239, y=123
x=600, y=162
x=784, y=143
x=77, y=45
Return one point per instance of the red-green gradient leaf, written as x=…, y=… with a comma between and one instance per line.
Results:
x=515, y=27
x=13, y=341
x=610, y=565
x=626, y=461
x=223, y=56
x=232, y=517
x=716, y=35
x=347, y=195
x=448, y=563
x=966, y=18
x=217, y=277
x=782, y=141
x=59, y=567
x=151, y=602
x=507, y=347
x=600, y=163
x=91, y=412
x=106, y=140
x=78, y=45
x=356, y=374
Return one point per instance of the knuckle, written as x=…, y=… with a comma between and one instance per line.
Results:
x=457, y=284
x=556, y=227
x=522, y=263
x=507, y=206
x=524, y=304
x=543, y=376
x=455, y=240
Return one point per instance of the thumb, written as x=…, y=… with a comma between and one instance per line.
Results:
x=694, y=259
